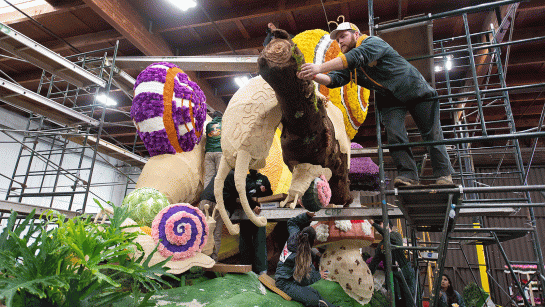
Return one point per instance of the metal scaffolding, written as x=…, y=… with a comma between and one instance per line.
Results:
x=62, y=140
x=475, y=97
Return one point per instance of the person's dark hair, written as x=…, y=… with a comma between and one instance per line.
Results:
x=390, y=224
x=303, y=260
x=451, y=295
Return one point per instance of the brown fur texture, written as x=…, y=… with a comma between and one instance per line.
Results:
x=308, y=134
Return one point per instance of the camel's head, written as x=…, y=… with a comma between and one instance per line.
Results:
x=280, y=61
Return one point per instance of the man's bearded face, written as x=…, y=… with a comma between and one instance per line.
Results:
x=347, y=40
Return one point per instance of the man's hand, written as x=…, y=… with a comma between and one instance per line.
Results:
x=257, y=210
x=308, y=71
x=324, y=274
x=310, y=214
x=262, y=188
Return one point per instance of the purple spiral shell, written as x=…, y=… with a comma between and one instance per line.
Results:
x=180, y=230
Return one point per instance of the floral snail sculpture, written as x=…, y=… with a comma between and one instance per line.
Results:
x=168, y=109
x=180, y=231
x=169, y=112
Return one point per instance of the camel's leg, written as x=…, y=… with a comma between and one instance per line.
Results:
x=303, y=175
x=241, y=170
x=219, y=182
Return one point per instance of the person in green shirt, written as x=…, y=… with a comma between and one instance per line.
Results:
x=370, y=62
x=402, y=294
x=252, y=239
x=212, y=149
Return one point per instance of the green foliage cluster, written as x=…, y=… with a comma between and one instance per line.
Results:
x=298, y=56
x=54, y=261
x=144, y=204
x=474, y=295
x=378, y=300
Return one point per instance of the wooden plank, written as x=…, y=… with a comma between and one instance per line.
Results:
x=111, y=150
x=272, y=198
x=230, y=268
x=24, y=209
x=269, y=282
x=351, y=213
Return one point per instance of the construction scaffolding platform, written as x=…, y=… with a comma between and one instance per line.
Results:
x=35, y=53
x=425, y=209
x=62, y=141
x=477, y=121
x=21, y=98
x=110, y=150
x=240, y=63
x=26, y=209
x=485, y=236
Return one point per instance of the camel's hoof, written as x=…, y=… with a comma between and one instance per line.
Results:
x=234, y=229
x=292, y=205
x=261, y=221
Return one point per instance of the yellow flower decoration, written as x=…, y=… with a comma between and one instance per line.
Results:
x=351, y=99
x=278, y=173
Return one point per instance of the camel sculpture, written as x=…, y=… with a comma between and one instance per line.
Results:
x=249, y=124
x=314, y=139
x=313, y=129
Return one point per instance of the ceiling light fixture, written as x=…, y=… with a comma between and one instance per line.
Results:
x=241, y=81
x=448, y=64
x=105, y=100
x=184, y=4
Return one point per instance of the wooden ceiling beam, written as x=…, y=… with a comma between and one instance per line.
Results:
x=241, y=46
x=129, y=22
x=195, y=35
x=226, y=3
x=528, y=32
x=121, y=15
x=39, y=12
x=346, y=11
x=291, y=21
x=531, y=6
x=242, y=29
x=526, y=59
x=229, y=16
x=402, y=9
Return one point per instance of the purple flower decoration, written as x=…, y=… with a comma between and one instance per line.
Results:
x=380, y=265
x=180, y=230
x=182, y=121
x=364, y=173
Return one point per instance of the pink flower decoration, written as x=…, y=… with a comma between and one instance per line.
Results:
x=180, y=230
x=324, y=191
